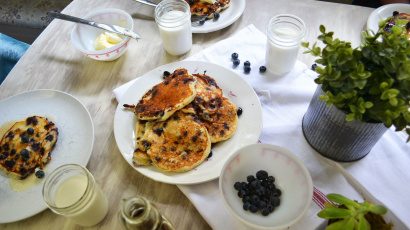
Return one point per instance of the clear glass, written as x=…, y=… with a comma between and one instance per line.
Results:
x=285, y=33
x=137, y=213
x=173, y=18
x=71, y=191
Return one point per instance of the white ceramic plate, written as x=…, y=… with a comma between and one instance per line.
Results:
x=248, y=131
x=384, y=12
x=74, y=145
x=227, y=17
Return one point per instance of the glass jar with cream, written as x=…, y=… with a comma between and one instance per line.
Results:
x=71, y=191
x=285, y=33
x=173, y=18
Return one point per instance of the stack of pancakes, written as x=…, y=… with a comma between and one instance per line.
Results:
x=205, y=8
x=178, y=120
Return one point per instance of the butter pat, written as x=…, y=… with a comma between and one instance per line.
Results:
x=106, y=40
x=209, y=1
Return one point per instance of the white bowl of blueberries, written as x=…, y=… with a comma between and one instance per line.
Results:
x=266, y=187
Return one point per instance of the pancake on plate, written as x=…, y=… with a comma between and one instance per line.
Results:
x=207, y=8
x=167, y=97
x=27, y=145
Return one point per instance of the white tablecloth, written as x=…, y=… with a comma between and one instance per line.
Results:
x=382, y=176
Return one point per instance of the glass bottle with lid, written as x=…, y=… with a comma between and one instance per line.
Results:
x=71, y=191
x=137, y=213
x=173, y=18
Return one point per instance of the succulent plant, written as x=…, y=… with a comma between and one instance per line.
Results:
x=370, y=83
x=346, y=214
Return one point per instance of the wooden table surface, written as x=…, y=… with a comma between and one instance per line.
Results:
x=52, y=63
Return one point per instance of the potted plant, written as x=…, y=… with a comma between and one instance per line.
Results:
x=367, y=88
x=346, y=214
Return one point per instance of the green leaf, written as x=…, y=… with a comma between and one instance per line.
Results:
x=377, y=209
x=363, y=224
x=339, y=199
x=346, y=224
x=322, y=29
x=305, y=44
x=335, y=213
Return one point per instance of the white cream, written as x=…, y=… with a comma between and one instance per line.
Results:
x=71, y=190
x=176, y=35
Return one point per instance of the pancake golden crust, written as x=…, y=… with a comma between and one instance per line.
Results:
x=27, y=145
x=201, y=8
x=162, y=100
x=178, y=144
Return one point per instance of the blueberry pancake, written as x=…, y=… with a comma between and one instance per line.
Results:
x=27, y=145
x=165, y=98
x=178, y=144
x=207, y=7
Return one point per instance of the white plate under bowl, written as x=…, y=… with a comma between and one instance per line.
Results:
x=384, y=12
x=74, y=145
x=233, y=86
x=227, y=17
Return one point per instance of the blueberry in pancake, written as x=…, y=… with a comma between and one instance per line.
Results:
x=27, y=145
x=178, y=144
x=165, y=98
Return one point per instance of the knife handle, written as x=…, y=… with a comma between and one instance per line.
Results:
x=69, y=18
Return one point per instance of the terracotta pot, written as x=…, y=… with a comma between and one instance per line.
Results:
x=327, y=131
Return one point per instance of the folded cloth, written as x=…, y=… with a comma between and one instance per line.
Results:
x=11, y=51
x=284, y=100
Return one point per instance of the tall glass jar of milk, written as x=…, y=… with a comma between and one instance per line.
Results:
x=71, y=191
x=285, y=33
x=173, y=18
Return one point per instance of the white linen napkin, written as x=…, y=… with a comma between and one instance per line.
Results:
x=284, y=101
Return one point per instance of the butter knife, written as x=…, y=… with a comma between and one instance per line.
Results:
x=107, y=27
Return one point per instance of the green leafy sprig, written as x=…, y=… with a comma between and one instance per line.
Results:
x=349, y=214
x=370, y=83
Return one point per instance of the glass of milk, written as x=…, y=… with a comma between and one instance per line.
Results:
x=71, y=191
x=285, y=33
x=173, y=18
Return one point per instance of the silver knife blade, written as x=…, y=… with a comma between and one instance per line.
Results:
x=147, y=2
x=110, y=28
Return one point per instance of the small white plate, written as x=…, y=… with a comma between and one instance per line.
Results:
x=384, y=12
x=227, y=17
x=74, y=145
x=233, y=86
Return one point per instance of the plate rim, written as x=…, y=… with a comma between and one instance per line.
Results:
x=41, y=209
x=181, y=63
x=223, y=25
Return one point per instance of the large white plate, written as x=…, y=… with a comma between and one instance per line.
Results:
x=384, y=12
x=74, y=145
x=227, y=17
x=248, y=131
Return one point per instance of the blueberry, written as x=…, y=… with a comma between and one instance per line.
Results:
x=165, y=74
x=240, y=193
x=247, y=69
x=246, y=205
x=237, y=186
x=40, y=174
x=408, y=26
x=278, y=192
x=236, y=62
x=209, y=155
x=191, y=2
x=247, y=63
x=9, y=163
x=275, y=202
x=30, y=131
x=270, y=208
x=395, y=13
x=12, y=152
x=254, y=199
x=244, y=185
x=246, y=198
x=313, y=67
x=25, y=139
x=234, y=56
x=261, y=204
x=262, y=69
x=265, y=212
x=260, y=191
x=202, y=21
x=25, y=154
x=262, y=175
x=49, y=137
x=216, y=16
x=3, y=156
x=239, y=111
x=271, y=179
x=254, y=184
x=253, y=208
x=250, y=178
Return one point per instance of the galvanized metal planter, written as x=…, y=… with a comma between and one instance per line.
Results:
x=327, y=131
